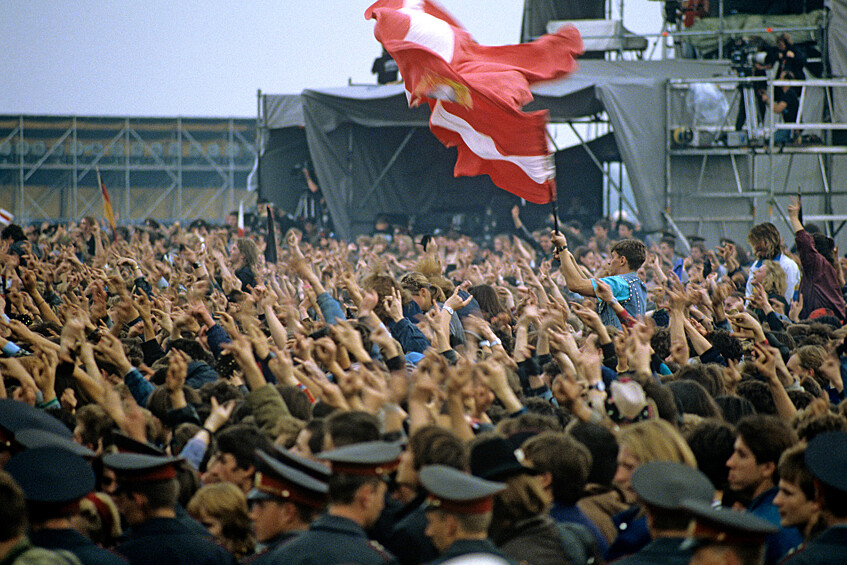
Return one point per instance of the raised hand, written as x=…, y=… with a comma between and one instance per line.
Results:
x=394, y=305
x=456, y=302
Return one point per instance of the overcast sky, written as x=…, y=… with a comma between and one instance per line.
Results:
x=207, y=57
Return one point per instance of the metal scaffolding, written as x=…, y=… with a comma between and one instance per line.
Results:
x=720, y=175
x=161, y=168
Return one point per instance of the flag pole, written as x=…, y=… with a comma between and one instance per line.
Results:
x=555, y=208
x=552, y=185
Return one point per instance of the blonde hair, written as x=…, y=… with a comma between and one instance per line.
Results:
x=430, y=267
x=656, y=440
x=413, y=282
x=249, y=250
x=227, y=503
x=773, y=280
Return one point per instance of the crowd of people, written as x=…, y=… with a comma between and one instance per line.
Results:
x=186, y=394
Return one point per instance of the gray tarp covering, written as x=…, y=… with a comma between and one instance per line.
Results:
x=282, y=111
x=349, y=153
x=353, y=134
x=633, y=95
x=283, y=149
x=707, y=44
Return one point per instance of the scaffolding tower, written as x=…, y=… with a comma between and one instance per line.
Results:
x=161, y=168
x=720, y=180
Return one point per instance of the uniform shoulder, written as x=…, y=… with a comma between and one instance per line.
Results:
x=381, y=551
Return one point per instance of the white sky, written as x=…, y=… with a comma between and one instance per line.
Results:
x=208, y=57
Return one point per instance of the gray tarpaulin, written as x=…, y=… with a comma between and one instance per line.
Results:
x=633, y=95
x=282, y=111
x=283, y=151
x=706, y=44
x=353, y=132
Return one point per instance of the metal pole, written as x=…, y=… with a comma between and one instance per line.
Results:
x=179, y=167
x=73, y=179
x=126, y=173
x=677, y=231
x=20, y=211
x=667, y=147
x=769, y=124
x=260, y=125
x=230, y=137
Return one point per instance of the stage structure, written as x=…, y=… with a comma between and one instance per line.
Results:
x=394, y=166
x=161, y=168
x=636, y=103
x=357, y=135
x=722, y=177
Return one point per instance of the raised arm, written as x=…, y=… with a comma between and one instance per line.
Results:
x=574, y=279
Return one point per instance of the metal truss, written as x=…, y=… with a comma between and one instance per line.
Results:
x=761, y=168
x=162, y=168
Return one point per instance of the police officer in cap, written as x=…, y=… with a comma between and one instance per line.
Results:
x=284, y=501
x=459, y=512
x=54, y=480
x=16, y=416
x=31, y=438
x=127, y=444
x=357, y=490
x=147, y=497
x=826, y=458
x=662, y=487
x=718, y=535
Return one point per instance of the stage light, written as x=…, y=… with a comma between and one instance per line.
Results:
x=157, y=149
x=39, y=148
x=213, y=150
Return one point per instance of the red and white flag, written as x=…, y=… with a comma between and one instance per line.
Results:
x=476, y=92
x=240, y=218
x=6, y=217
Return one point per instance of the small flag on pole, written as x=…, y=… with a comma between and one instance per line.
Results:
x=6, y=217
x=241, y=218
x=107, y=206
